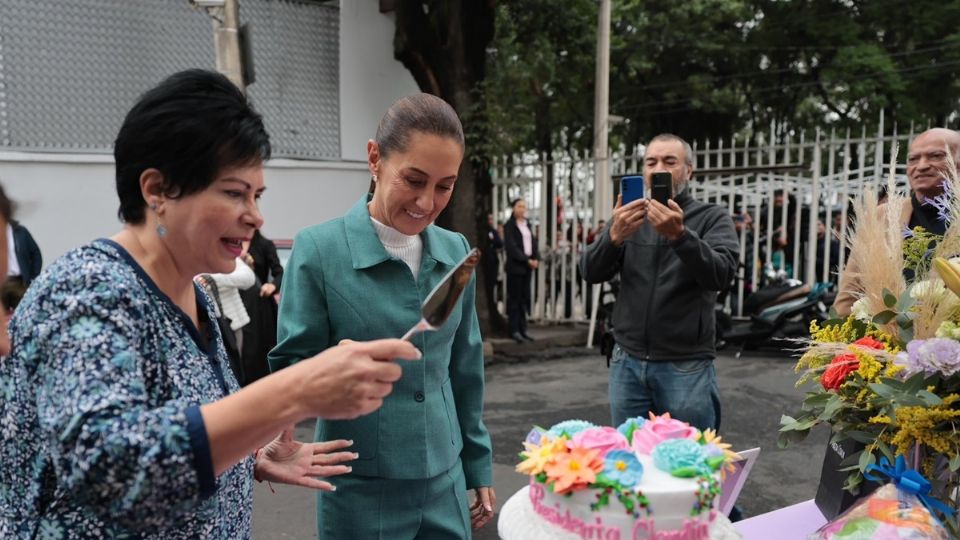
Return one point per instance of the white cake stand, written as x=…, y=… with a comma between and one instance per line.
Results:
x=518, y=521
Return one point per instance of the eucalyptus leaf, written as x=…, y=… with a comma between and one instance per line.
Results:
x=929, y=399
x=906, y=302
x=884, y=317
x=866, y=459
x=786, y=438
x=783, y=440
x=816, y=399
x=853, y=482
x=831, y=408
x=889, y=299
x=882, y=390
x=861, y=436
x=955, y=463
x=914, y=384
x=904, y=320
x=906, y=334
x=800, y=425
x=885, y=450
x=851, y=459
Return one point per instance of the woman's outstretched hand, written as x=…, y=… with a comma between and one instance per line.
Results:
x=287, y=461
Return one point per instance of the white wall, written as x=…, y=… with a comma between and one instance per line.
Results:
x=370, y=78
x=68, y=200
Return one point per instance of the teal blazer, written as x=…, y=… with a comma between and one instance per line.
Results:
x=340, y=283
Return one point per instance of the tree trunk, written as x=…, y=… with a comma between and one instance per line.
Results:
x=444, y=45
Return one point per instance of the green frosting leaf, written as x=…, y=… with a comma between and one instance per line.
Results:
x=685, y=472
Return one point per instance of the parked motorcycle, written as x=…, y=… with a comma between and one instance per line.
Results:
x=777, y=312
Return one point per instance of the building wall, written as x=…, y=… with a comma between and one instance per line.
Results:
x=67, y=199
x=370, y=78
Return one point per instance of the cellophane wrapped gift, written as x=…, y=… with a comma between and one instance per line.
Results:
x=887, y=514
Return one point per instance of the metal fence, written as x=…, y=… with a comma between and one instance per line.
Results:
x=69, y=71
x=773, y=185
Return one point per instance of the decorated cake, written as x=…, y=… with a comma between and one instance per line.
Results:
x=648, y=479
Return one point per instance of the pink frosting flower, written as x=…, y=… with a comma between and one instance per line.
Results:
x=659, y=429
x=603, y=439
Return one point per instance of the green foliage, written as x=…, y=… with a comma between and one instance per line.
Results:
x=538, y=92
x=715, y=68
x=918, y=250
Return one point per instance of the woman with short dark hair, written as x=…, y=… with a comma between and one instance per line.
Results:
x=121, y=417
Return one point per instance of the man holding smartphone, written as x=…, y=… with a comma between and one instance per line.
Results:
x=672, y=258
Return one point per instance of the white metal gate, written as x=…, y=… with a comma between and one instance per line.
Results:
x=817, y=173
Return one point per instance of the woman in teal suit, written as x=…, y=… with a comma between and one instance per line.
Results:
x=365, y=275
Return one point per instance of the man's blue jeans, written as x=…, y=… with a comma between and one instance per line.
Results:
x=686, y=389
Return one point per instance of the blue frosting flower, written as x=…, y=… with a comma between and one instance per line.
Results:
x=674, y=455
x=569, y=428
x=623, y=466
x=631, y=424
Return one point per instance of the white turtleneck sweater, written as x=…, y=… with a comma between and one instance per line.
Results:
x=408, y=249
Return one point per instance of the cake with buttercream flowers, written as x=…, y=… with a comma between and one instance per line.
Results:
x=655, y=478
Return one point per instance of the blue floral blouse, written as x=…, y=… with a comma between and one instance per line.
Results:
x=100, y=428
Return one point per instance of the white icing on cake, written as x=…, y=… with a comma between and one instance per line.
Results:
x=518, y=520
x=671, y=501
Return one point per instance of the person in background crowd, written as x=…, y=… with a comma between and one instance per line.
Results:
x=523, y=257
x=829, y=242
x=672, y=260
x=226, y=289
x=927, y=170
x=25, y=261
x=122, y=418
x=596, y=231
x=364, y=276
x=490, y=255
x=785, y=238
x=260, y=336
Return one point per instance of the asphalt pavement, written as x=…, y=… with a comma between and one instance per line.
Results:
x=545, y=387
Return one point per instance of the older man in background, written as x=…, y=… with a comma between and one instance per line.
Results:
x=928, y=162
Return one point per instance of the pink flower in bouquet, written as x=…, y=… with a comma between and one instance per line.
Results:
x=841, y=366
x=659, y=429
x=603, y=439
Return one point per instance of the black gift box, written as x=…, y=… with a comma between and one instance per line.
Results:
x=832, y=499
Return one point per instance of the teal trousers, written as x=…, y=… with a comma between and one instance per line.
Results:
x=375, y=508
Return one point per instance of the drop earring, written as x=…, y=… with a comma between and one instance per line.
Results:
x=161, y=230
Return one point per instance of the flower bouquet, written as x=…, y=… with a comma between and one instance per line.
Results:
x=888, y=376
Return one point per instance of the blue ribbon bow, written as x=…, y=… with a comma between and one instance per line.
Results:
x=909, y=481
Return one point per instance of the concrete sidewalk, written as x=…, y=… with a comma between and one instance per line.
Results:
x=547, y=337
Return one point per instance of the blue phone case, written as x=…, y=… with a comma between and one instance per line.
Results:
x=631, y=187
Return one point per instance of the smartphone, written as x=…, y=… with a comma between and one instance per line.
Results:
x=661, y=186
x=631, y=188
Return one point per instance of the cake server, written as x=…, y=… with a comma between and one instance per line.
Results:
x=441, y=300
